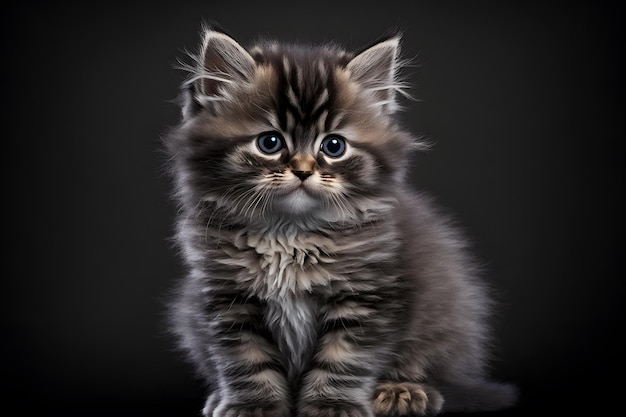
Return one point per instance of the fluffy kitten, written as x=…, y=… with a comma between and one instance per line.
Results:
x=318, y=284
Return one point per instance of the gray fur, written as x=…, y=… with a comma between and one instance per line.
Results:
x=344, y=293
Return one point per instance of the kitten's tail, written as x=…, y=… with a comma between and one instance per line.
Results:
x=480, y=396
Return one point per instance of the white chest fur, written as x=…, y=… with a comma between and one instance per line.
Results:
x=283, y=264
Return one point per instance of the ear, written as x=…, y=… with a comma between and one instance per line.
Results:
x=222, y=63
x=375, y=70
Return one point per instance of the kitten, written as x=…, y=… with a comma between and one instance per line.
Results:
x=318, y=284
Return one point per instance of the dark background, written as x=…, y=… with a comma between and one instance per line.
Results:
x=524, y=102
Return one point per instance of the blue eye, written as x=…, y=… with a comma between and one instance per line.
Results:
x=333, y=146
x=270, y=142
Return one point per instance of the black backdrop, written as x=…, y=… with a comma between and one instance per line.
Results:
x=525, y=105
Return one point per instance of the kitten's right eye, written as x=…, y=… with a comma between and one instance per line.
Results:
x=270, y=142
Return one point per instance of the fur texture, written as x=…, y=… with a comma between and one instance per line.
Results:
x=318, y=284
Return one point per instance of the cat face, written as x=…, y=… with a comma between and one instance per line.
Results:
x=291, y=132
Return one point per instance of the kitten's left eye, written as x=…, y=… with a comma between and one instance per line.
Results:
x=270, y=142
x=333, y=146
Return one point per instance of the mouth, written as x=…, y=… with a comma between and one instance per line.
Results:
x=299, y=187
x=299, y=200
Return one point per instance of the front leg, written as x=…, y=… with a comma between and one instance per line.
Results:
x=354, y=345
x=250, y=375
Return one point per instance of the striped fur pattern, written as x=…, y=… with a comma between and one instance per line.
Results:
x=318, y=284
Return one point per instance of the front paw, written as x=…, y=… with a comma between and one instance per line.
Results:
x=406, y=399
x=248, y=410
x=333, y=409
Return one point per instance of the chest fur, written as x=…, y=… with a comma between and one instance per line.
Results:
x=290, y=272
x=277, y=266
x=284, y=269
